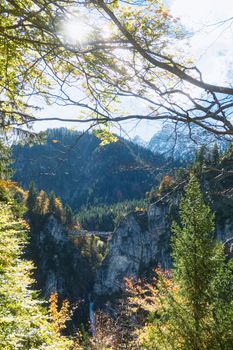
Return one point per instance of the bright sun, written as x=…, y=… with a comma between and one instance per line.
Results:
x=76, y=30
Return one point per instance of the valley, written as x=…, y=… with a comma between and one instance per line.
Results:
x=86, y=256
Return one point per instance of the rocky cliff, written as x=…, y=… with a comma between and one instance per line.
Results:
x=142, y=240
x=51, y=241
x=60, y=265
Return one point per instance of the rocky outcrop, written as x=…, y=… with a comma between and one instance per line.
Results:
x=224, y=231
x=140, y=240
x=60, y=264
x=53, y=229
x=50, y=243
x=228, y=247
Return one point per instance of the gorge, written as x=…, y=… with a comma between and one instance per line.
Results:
x=86, y=265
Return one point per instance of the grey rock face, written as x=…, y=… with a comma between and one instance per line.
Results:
x=140, y=240
x=51, y=241
x=54, y=283
x=143, y=240
x=225, y=232
x=53, y=230
x=228, y=247
x=60, y=265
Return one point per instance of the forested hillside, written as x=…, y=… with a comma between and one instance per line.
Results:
x=82, y=172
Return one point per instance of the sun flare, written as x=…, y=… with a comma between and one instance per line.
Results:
x=76, y=30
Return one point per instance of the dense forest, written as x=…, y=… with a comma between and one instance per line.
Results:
x=82, y=172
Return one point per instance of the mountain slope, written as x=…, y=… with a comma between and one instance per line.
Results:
x=82, y=172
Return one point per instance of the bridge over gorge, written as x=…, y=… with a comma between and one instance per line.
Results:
x=104, y=236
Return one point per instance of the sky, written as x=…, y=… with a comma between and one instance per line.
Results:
x=211, y=45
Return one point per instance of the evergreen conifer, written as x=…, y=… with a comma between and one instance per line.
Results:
x=194, y=311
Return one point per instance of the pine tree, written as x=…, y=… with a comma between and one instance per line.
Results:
x=195, y=263
x=41, y=204
x=201, y=156
x=69, y=216
x=58, y=212
x=215, y=155
x=194, y=310
x=32, y=194
x=5, y=162
x=55, y=206
x=52, y=198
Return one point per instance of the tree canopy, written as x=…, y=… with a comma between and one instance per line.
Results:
x=129, y=50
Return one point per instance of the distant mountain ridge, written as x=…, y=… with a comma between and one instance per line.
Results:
x=181, y=143
x=82, y=172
